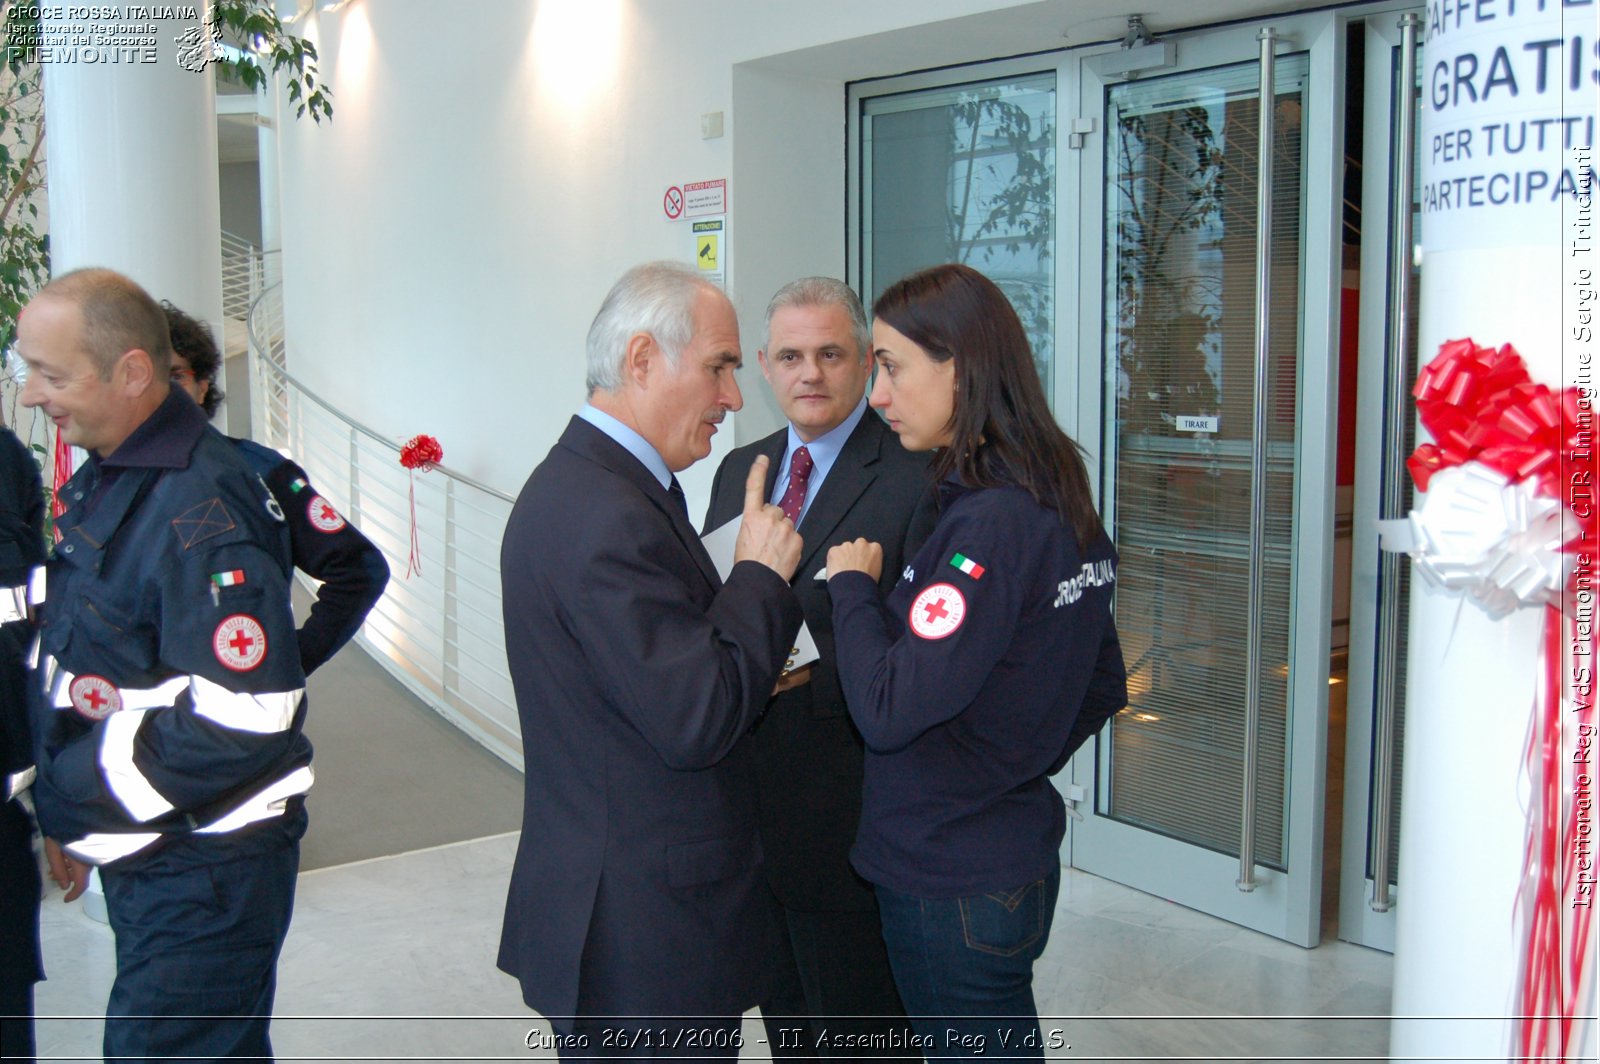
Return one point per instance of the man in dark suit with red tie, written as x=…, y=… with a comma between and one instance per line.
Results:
x=636, y=920
x=838, y=472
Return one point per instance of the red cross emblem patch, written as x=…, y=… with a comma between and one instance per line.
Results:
x=94, y=697
x=240, y=643
x=937, y=611
x=322, y=515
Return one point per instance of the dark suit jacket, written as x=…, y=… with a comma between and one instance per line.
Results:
x=636, y=671
x=806, y=752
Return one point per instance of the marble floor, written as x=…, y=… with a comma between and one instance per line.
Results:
x=393, y=959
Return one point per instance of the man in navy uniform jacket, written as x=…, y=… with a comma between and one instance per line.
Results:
x=170, y=698
x=21, y=549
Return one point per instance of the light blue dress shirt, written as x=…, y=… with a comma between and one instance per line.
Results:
x=635, y=444
x=824, y=451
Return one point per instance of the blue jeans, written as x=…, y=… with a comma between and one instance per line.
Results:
x=964, y=967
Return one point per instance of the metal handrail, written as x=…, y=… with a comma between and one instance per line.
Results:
x=370, y=433
x=243, y=275
x=438, y=629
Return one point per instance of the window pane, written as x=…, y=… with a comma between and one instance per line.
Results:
x=967, y=174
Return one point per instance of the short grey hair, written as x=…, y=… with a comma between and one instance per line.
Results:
x=654, y=297
x=822, y=292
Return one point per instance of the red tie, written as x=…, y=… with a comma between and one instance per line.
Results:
x=794, y=496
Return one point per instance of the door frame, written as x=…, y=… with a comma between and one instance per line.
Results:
x=1358, y=922
x=1286, y=905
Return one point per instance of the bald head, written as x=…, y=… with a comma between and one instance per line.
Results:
x=98, y=356
x=117, y=316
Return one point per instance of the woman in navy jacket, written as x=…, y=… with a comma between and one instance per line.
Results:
x=990, y=662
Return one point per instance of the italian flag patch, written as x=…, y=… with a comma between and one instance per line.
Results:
x=231, y=578
x=967, y=565
x=298, y=485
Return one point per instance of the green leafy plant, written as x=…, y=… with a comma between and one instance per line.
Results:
x=260, y=34
x=24, y=251
x=263, y=48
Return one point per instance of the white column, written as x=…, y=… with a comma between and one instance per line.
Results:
x=132, y=168
x=1508, y=106
x=267, y=162
x=132, y=147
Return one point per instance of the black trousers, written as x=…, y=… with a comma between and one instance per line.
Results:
x=833, y=995
x=19, y=932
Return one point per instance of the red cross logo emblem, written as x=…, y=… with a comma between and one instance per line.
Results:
x=240, y=643
x=322, y=515
x=94, y=697
x=937, y=611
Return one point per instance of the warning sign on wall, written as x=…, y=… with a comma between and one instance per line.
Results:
x=710, y=247
x=704, y=198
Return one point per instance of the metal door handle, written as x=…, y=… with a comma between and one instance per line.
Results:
x=1258, y=458
x=1396, y=413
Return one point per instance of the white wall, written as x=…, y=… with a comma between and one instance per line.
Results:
x=493, y=167
x=489, y=172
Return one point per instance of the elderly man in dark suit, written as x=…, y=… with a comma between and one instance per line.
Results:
x=839, y=473
x=636, y=919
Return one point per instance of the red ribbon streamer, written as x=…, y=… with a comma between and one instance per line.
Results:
x=421, y=452
x=62, y=474
x=1479, y=404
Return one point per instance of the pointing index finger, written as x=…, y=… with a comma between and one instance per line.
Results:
x=755, y=485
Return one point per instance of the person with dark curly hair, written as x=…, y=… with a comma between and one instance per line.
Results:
x=993, y=659
x=198, y=363
x=326, y=546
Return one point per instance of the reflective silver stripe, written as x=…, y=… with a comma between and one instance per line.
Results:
x=36, y=586
x=58, y=689
x=127, y=784
x=264, y=714
x=264, y=804
x=14, y=604
x=18, y=782
x=105, y=848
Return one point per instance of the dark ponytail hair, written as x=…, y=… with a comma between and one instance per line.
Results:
x=1002, y=431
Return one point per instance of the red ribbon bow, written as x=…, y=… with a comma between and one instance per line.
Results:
x=1479, y=404
x=420, y=452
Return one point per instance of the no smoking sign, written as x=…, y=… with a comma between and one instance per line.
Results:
x=672, y=203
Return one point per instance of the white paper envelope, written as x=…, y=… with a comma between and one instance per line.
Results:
x=719, y=543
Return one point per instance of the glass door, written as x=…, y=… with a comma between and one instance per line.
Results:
x=1208, y=312
x=1380, y=582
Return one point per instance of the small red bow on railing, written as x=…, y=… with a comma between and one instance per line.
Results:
x=420, y=452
